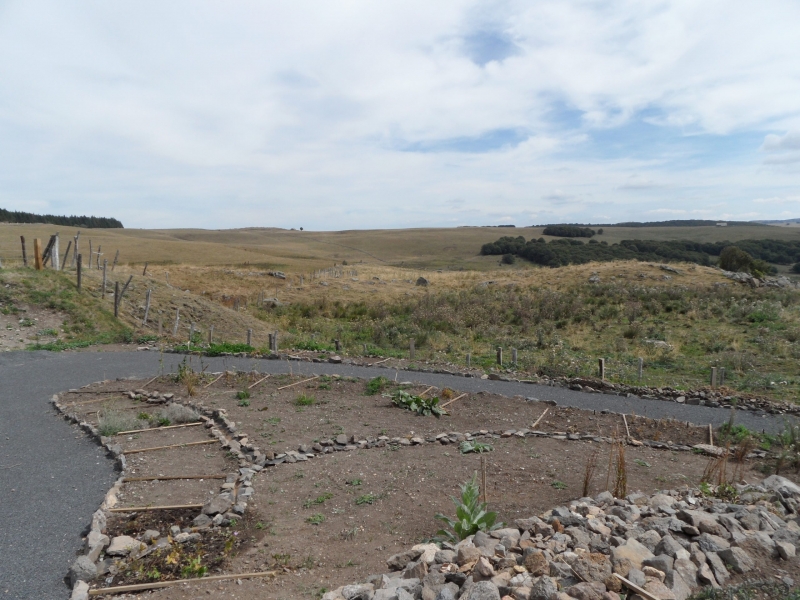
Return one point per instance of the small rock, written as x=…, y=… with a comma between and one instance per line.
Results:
x=83, y=569
x=737, y=559
x=543, y=588
x=785, y=550
x=122, y=545
x=80, y=591
x=217, y=505
x=483, y=590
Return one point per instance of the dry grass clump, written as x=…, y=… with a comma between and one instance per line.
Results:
x=178, y=413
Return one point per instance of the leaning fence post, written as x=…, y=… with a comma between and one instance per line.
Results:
x=601, y=363
x=411, y=349
x=713, y=377
x=210, y=335
x=249, y=337
x=114, y=264
x=144, y=271
x=641, y=366
x=116, y=297
x=80, y=269
x=146, y=302
x=499, y=355
x=177, y=321
x=37, y=254
x=66, y=254
x=75, y=249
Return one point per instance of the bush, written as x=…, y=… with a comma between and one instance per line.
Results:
x=796, y=267
x=568, y=231
x=376, y=385
x=508, y=259
x=421, y=406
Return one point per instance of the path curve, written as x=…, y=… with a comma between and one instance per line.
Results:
x=53, y=477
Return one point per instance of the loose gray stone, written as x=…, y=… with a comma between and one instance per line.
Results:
x=217, y=505
x=543, y=588
x=83, y=569
x=737, y=559
x=122, y=545
x=80, y=591
x=483, y=590
x=712, y=543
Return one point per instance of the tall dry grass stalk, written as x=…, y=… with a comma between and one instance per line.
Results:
x=621, y=472
x=588, y=471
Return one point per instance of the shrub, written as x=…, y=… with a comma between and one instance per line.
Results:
x=508, y=259
x=112, y=421
x=421, y=406
x=376, y=385
x=471, y=514
x=304, y=400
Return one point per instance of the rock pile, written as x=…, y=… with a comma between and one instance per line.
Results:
x=666, y=544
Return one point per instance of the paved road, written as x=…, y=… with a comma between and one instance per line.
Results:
x=52, y=478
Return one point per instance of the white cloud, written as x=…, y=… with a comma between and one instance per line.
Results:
x=216, y=114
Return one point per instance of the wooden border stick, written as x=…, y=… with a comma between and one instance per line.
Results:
x=150, y=381
x=170, y=446
x=215, y=380
x=144, y=508
x=380, y=361
x=193, y=424
x=298, y=383
x=627, y=431
x=257, y=382
x=93, y=400
x=483, y=478
x=453, y=400
x=632, y=586
x=172, y=477
x=710, y=435
x=540, y=418
x=426, y=391
x=163, y=584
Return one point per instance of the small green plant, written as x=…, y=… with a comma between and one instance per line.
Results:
x=163, y=422
x=376, y=385
x=48, y=332
x=26, y=322
x=143, y=416
x=260, y=525
x=421, y=406
x=243, y=402
x=354, y=482
x=471, y=514
x=318, y=500
x=559, y=485
x=273, y=420
x=476, y=447
x=194, y=568
x=242, y=395
x=366, y=499
x=304, y=400
x=316, y=519
x=642, y=463
x=282, y=559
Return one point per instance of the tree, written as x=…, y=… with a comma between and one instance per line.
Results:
x=735, y=259
x=796, y=268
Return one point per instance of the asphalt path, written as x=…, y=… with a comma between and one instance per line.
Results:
x=53, y=477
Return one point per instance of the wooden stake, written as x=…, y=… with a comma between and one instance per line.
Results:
x=426, y=391
x=256, y=383
x=37, y=254
x=146, y=305
x=215, y=380
x=90, y=254
x=380, y=361
x=164, y=584
x=75, y=249
x=632, y=586
x=298, y=383
x=453, y=400
x=116, y=256
x=80, y=270
x=627, y=431
x=205, y=442
x=24, y=253
x=125, y=288
x=540, y=418
x=710, y=435
x=177, y=321
x=150, y=381
x=172, y=478
x=66, y=254
x=144, y=271
x=146, y=508
x=193, y=424
x=483, y=479
x=116, y=298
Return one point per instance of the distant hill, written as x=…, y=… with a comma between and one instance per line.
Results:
x=15, y=216
x=674, y=223
x=795, y=221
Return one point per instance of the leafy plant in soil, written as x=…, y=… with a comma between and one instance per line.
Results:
x=471, y=514
x=304, y=400
x=421, y=406
x=476, y=447
x=376, y=385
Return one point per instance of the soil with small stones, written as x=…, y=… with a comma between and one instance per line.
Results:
x=335, y=519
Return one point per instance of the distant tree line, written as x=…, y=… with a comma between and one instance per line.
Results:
x=673, y=223
x=568, y=231
x=557, y=253
x=15, y=216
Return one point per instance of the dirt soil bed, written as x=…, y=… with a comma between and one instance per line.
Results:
x=336, y=518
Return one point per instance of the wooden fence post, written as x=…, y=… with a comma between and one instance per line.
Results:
x=160, y=327
x=411, y=350
x=91, y=255
x=713, y=377
x=114, y=264
x=146, y=302
x=75, y=249
x=514, y=356
x=125, y=287
x=80, y=269
x=66, y=255
x=191, y=335
x=469, y=360
x=641, y=367
x=37, y=254
x=24, y=253
x=499, y=355
x=275, y=341
x=270, y=342
x=177, y=321
x=249, y=337
x=105, y=277
x=144, y=271
x=210, y=335
x=54, y=254
x=116, y=296
x=601, y=363
x=722, y=375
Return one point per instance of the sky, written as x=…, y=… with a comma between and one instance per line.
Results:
x=351, y=114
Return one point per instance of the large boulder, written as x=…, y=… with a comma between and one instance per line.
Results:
x=633, y=551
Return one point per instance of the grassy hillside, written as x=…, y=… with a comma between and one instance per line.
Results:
x=306, y=250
